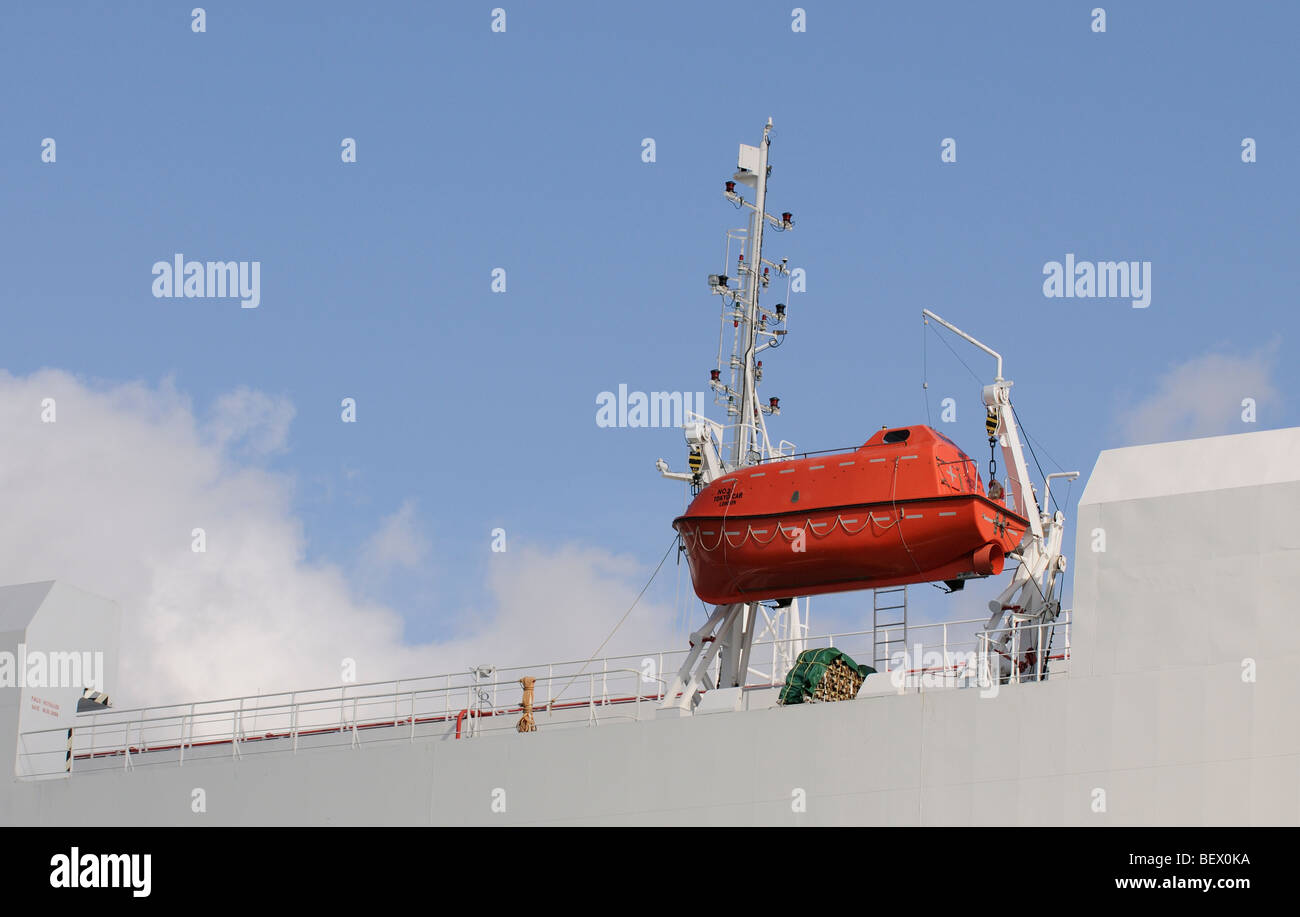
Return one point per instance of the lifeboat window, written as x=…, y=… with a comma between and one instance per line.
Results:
x=897, y=436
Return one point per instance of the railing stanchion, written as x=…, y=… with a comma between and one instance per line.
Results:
x=1042, y=644
x=1067, y=641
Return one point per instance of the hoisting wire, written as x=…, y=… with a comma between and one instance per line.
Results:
x=993, y=467
x=1049, y=455
x=925, y=372
x=1029, y=442
x=604, y=642
x=679, y=608
x=959, y=359
x=1028, y=439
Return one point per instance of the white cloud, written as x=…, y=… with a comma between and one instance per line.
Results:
x=397, y=545
x=1203, y=397
x=252, y=420
x=105, y=499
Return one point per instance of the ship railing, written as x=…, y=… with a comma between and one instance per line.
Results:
x=1024, y=653
x=287, y=722
x=763, y=450
x=485, y=699
x=945, y=654
x=785, y=456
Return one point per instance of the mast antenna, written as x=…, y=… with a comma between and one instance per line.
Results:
x=755, y=328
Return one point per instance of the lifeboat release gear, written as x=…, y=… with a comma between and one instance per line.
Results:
x=908, y=506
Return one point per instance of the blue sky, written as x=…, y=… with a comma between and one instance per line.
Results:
x=522, y=150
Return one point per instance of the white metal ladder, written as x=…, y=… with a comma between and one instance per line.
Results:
x=888, y=624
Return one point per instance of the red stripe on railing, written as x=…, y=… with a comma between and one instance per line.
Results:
x=378, y=724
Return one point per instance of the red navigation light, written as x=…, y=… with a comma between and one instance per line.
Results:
x=731, y=187
x=780, y=310
x=775, y=403
x=715, y=374
x=787, y=217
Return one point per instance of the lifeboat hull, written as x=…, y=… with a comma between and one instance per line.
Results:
x=934, y=523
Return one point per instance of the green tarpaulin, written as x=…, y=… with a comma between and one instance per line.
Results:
x=808, y=670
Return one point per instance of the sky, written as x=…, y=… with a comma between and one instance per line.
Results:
x=522, y=150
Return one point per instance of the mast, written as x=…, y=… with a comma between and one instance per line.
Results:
x=745, y=434
x=742, y=440
x=728, y=637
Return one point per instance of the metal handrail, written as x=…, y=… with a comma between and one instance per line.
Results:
x=431, y=699
x=178, y=729
x=799, y=455
x=244, y=704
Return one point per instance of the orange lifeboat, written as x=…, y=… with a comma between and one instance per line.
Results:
x=908, y=506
